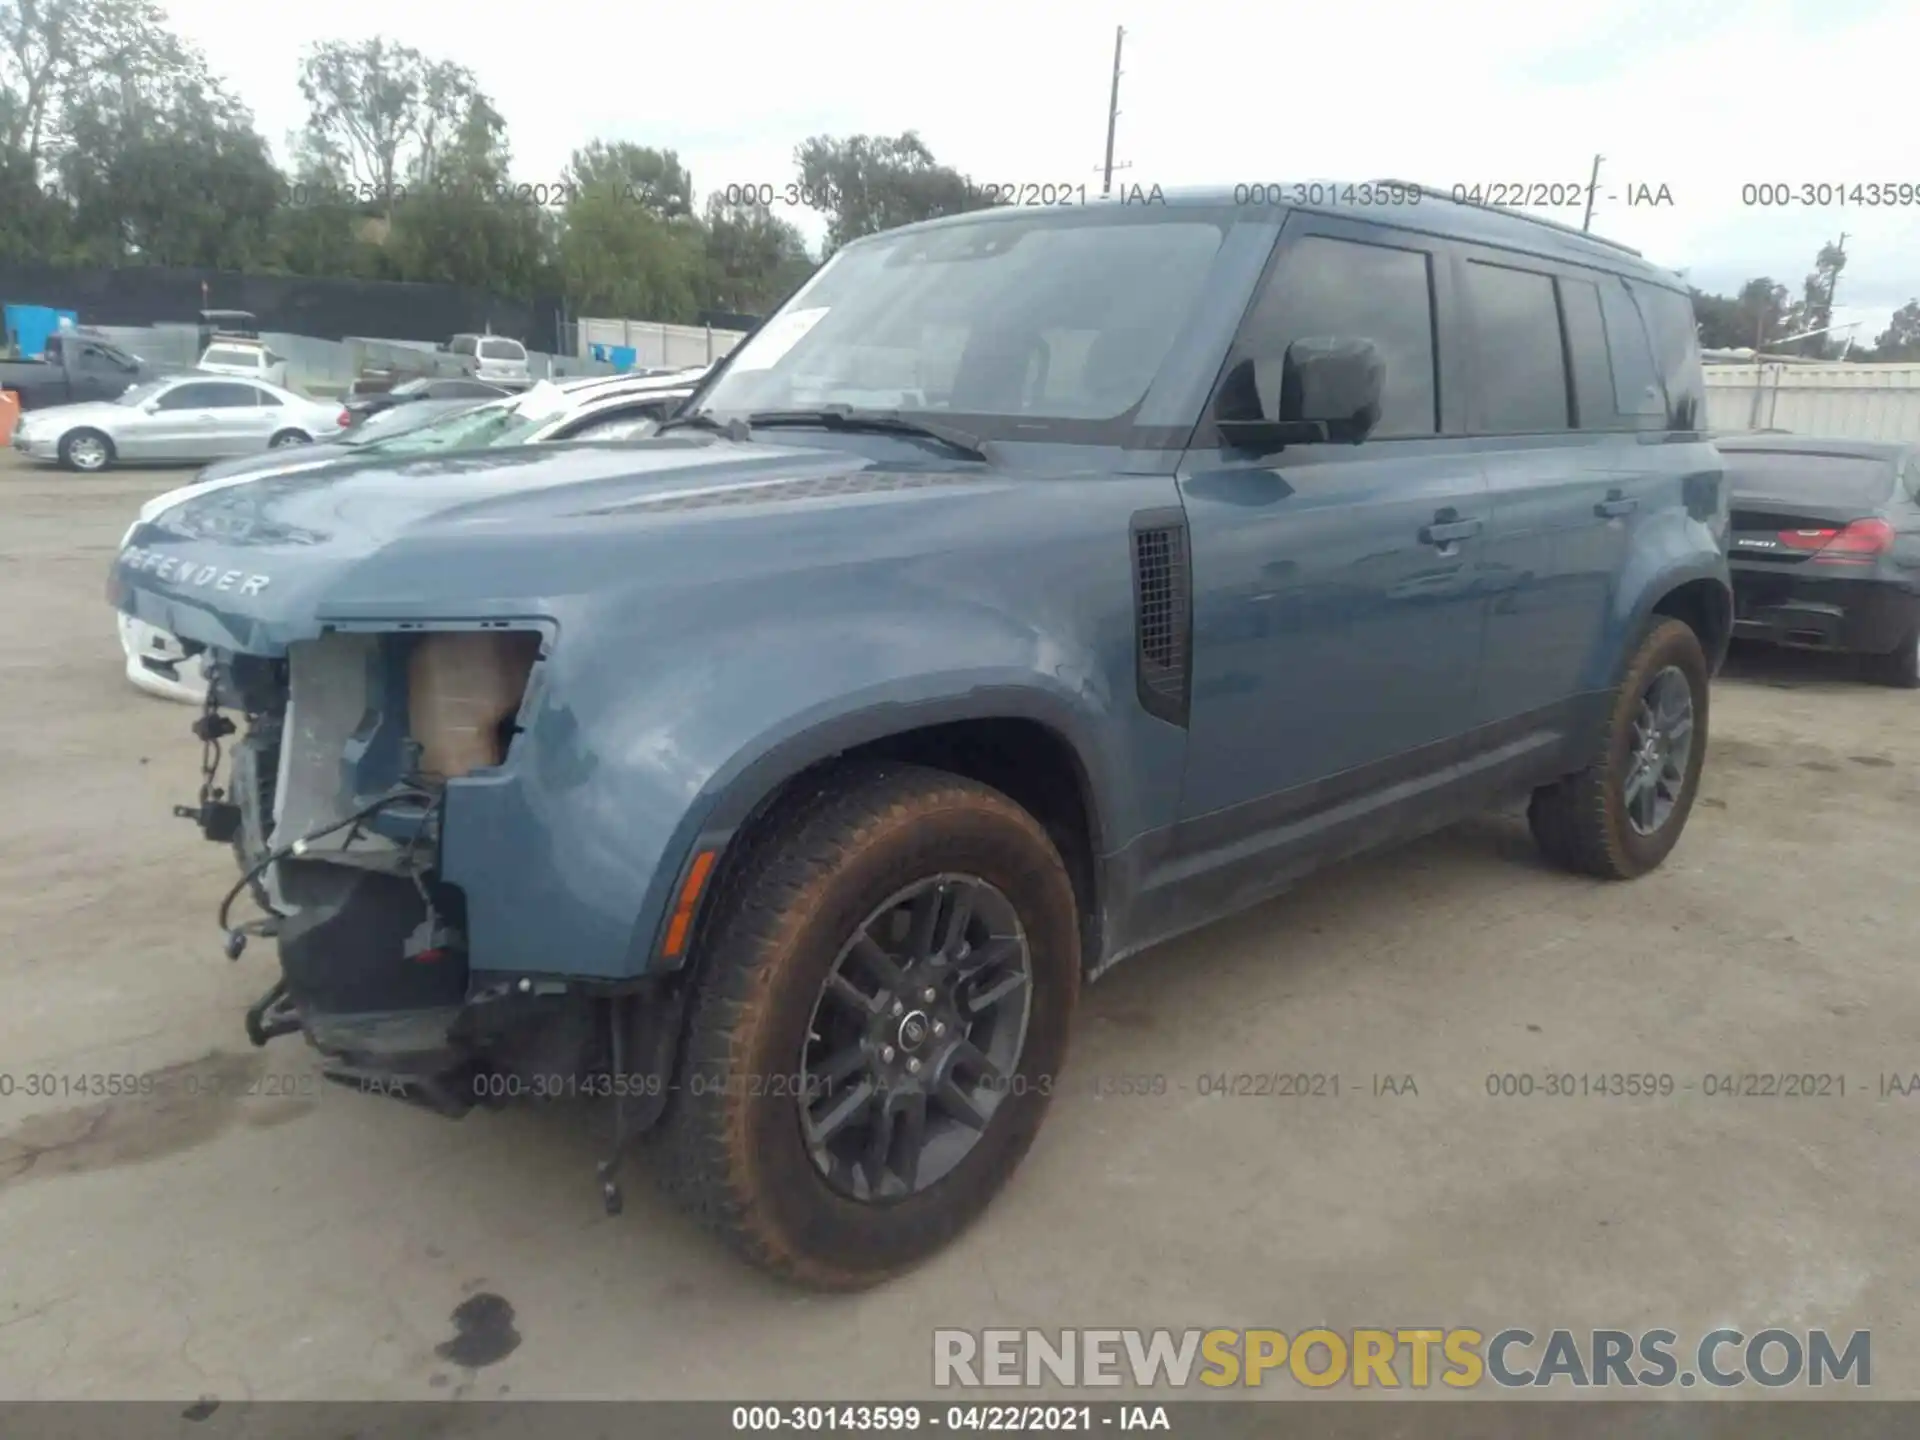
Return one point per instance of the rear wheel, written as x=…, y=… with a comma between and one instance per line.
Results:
x=87, y=451
x=881, y=1013
x=1620, y=816
x=290, y=437
x=1901, y=668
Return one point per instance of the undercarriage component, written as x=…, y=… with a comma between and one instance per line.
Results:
x=272, y=1015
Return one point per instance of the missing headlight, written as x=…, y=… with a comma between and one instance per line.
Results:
x=464, y=690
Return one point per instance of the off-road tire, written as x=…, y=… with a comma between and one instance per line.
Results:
x=66, y=452
x=1900, y=668
x=1581, y=823
x=729, y=1146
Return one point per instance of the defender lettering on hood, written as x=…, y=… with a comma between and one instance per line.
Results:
x=185, y=572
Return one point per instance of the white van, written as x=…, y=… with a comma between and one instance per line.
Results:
x=247, y=358
x=491, y=357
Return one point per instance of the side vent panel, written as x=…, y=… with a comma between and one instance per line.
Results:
x=1162, y=613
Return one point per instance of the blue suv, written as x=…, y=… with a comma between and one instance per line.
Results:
x=1036, y=585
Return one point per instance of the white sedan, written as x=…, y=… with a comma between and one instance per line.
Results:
x=181, y=418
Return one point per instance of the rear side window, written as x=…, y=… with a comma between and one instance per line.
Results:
x=1344, y=289
x=1519, y=351
x=1676, y=353
x=264, y=398
x=464, y=345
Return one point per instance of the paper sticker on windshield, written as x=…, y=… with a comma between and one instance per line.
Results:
x=779, y=336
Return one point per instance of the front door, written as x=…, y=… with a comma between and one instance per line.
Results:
x=1338, y=619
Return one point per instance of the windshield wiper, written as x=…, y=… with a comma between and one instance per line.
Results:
x=705, y=420
x=889, y=422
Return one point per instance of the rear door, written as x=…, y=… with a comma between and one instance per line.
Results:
x=1562, y=385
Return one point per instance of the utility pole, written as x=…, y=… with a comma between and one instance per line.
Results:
x=1593, y=184
x=1113, y=111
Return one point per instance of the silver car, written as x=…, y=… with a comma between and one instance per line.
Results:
x=178, y=419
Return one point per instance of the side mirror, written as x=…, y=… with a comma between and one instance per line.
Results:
x=1330, y=393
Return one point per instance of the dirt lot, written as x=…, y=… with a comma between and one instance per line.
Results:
x=245, y=1234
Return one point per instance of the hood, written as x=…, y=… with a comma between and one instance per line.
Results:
x=84, y=412
x=268, y=462
x=255, y=563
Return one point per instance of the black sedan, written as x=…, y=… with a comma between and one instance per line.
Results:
x=424, y=387
x=1825, y=547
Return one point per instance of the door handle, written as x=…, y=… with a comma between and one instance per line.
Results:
x=1616, y=505
x=1447, y=528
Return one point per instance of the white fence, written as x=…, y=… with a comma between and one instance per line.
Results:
x=1839, y=401
x=656, y=346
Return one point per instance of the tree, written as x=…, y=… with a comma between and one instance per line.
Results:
x=466, y=226
x=1814, y=310
x=1901, y=339
x=754, y=258
x=618, y=258
x=378, y=114
x=655, y=180
x=169, y=177
x=869, y=183
x=1754, y=318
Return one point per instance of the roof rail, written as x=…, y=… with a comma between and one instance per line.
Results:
x=1447, y=195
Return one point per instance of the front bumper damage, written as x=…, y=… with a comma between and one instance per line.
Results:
x=333, y=802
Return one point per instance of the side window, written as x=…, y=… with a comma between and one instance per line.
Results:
x=1594, y=407
x=1636, y=382
x=191, y=397
x=1910, y=478
x=464, y=345
x=1345, y=289
x=92, y=358
x=1518, y=351
x=265, y=398
x=229, y=397
x=1676, y=351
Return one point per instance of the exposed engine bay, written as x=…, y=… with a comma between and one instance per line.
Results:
x=333, y=804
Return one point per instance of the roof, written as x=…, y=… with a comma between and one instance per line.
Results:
x=1813, y=445
x=1429, y=208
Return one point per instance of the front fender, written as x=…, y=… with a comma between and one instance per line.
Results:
x=644, y=739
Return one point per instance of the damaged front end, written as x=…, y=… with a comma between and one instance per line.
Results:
x=334, y=803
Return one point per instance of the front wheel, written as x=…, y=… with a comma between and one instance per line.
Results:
x=87, y=451
x=1620, y=816
x=878, y=1024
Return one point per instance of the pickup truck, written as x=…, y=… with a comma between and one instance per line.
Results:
x=1034, y=587
x=74, y=369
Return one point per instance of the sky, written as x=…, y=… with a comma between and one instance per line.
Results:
x=1700, y=98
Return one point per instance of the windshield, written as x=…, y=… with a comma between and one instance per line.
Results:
x=1850, y=481
x=1056, y=317
x=501, y=424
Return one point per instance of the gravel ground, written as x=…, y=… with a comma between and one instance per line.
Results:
x=242, y=1232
